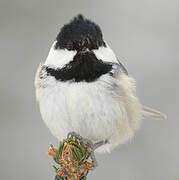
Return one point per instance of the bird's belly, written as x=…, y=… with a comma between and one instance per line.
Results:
x=96, y=110
x=87, y=109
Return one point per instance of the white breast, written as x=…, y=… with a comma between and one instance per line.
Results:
x=98, y=110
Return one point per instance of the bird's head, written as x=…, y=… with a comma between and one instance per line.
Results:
x=79, y=52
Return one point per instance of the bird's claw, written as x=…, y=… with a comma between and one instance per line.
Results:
x=73, y=134
x=90, y=145
x=100, y=143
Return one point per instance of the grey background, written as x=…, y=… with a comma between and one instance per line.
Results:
x=143, y=33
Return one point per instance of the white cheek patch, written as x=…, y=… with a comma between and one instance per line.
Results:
x=105, y=54
x=58, y=58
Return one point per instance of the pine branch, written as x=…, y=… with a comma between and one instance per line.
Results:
x=73, y=157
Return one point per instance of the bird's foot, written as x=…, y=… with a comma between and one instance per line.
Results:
x=73, y=134
x=100, y=143
x=87, y=142
x=90, y=145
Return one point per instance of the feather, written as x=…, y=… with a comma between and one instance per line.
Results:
x=153, y=114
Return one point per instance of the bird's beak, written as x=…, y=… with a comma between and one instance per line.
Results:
x=84, y=50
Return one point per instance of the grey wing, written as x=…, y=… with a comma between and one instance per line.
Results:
x=122, y=67
x=147, y=112
x=118, y=67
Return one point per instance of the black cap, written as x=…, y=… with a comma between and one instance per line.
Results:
x=79, y=35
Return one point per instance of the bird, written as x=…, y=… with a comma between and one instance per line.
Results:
x=83, y=88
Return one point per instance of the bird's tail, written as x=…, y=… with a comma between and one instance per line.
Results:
x=150, y=113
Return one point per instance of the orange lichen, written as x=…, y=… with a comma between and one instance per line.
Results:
x=51, y=151
x=60, y=172
x=69, y=159
x=88, y=164
x=65, y=156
